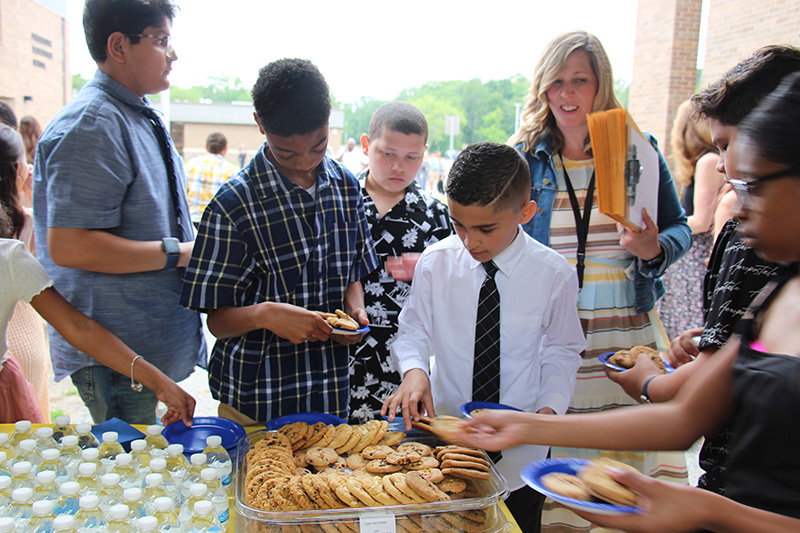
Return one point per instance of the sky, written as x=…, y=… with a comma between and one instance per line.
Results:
x=378, y=48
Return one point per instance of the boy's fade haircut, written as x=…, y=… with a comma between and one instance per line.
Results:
x=291, y=97
x=732, y=97
x=101, y=18
x=401, y=117
x=216, y=143
x=490, y=175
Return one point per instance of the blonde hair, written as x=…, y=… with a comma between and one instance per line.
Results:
x=690, y=140
x=537, y=119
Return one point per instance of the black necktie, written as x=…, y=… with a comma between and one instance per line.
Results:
x=486, y=368
x=166, y=153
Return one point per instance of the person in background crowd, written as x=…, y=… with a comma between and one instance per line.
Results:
x=351, y=157
x=205, y=174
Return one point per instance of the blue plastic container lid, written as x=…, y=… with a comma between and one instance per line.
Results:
x=194, y=438
x=309, y=418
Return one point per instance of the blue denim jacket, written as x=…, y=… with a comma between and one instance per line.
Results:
x=674, y=235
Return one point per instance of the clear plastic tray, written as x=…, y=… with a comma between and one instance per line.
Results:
x=415, y=517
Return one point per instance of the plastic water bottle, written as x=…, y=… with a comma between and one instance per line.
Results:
x=22, y=476
x=128, y=476
x=203, y=519
x=86, y=438
x=198, y=463
x=216, y=494
x=64, y=523
x=62, y=428
x=165, y=514
x=109, y=449
x=5, y=495
x=6, y=524
x=177, y=463
x=46, y=487
x=111, y=493
x=51, y=462
x=197, y=492
x=133, y=499
x=158, y=465
x=146, y=524
x=92, y=456
x=218, y=458
x=156, y=442
x=42, y=517
x=21, y=502
x=141, y=457
x=119, y=519
x=88, y=480
x=22, y=431
x=153, y=488
x=161, y=410
x=44, y=439
x=70, y=455
x=67, y=502
x=27, y=452
x=5, y=446
x=89, y=517
x=4, y=466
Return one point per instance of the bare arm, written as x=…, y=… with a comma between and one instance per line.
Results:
x=101, y=251
x=726, y=209
x=707, y=184
x=287, y=321
x=96, y=341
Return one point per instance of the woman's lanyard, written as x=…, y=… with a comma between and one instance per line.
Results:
x=581, y=222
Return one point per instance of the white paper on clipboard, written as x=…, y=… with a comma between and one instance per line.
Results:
x=647, y=189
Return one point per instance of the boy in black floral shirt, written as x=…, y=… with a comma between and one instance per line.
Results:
x=403, y=220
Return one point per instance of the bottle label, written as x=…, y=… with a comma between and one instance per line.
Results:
x=223, y=516
x=226, y=480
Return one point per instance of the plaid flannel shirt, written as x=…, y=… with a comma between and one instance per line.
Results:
x=264, y=239
x=205, y=174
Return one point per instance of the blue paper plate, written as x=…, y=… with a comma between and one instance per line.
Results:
x=603, y=358
x=467, y=408
x=194, y=438
x=532, y=474
x=309, y=418
x=126, y=432
x=341, y=331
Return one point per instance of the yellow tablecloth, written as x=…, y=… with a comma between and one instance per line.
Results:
x=9, y=428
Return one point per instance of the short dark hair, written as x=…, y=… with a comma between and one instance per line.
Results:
x=291, y=97
x=401, y=117
x=11, y=153
x=216, y=143
x=490, y=174
x=101, y=18
x=739, y=91
x=774, y=125
x=7, y=115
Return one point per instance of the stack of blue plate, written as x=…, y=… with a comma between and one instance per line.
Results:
x=309, y=418
x=194, y=438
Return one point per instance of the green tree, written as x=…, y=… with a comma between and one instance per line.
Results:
x=621, y=88
x=78, y=82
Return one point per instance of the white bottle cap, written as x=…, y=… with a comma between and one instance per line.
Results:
x=154, y=430
x=198, y=459
x=44, y=432
x=203, y=507
x=132, y=494
x=42, y=507
x=7, y=523
x=3, y=456
x=62, y=420
x=90, y=501
x=27, y=445
x=175, y=449
x=90, y=454
x=147, y=523
x=208, y=474
x=213, y=441
x=138, y=445
x=21, y=494
x=162, y=504
x=157, y=464
x=124, y=459
x=22, y=467
x=5, y=482
x=50, y=454
x=69, y=441
x=83, y=428
x=87, y=469
x=22, y=425
x=70, y=488
x=152, y=480
x=45, y=476
x=198, y=490
x=110, y=436
x=109, y=480
x=119, y=511
x=3, y=438
x=64, y=522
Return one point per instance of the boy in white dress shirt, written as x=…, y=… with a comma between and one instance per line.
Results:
x=488, y=193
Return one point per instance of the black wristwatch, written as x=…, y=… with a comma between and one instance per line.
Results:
x=171, y=247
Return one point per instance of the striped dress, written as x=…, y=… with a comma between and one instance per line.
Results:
x=610, y=323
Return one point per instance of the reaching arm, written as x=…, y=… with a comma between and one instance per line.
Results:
x=287, y=321
x=96, y=341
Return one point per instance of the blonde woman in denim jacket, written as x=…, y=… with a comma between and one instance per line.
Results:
x=621, y=268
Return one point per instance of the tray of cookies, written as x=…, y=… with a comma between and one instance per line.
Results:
x=349, y=477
